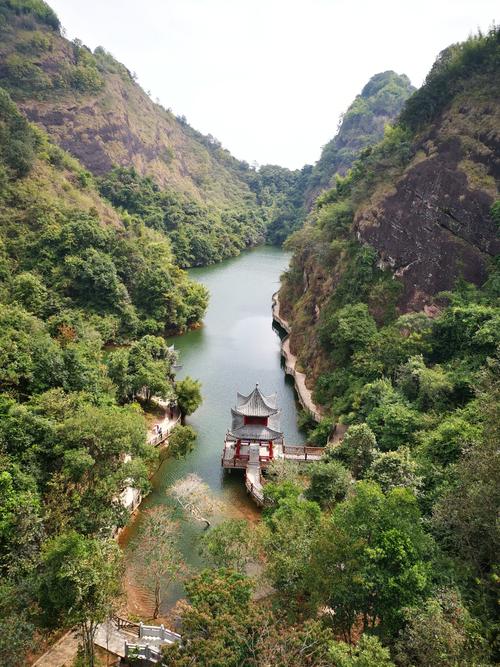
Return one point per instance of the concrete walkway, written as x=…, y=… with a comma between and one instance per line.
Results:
x=304, y=393
x=62, y=653
x=170, y=419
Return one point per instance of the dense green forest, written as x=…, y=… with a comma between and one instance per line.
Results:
x=75, y=280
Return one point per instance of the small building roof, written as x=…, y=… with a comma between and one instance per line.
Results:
x=256, y=404
x=255, y=432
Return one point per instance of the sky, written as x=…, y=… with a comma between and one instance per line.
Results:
x=270, y=78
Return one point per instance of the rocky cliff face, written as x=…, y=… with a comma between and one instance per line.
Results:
x=379, y=103
x=415, y=216
x=436, y=225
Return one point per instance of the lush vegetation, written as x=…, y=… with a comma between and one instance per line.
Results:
x=405, y=545
x=379, y=103
x=199, y=234
x=74, y=278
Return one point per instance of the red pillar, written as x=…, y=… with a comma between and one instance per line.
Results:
x=237, y=454
x=270, y=449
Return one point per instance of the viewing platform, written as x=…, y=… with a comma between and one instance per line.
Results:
x=255, y=440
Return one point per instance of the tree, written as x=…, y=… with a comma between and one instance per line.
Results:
x=194, y=496
x=159, y=562
x=392, y=469
x=80, y=578
x=20, y=518
x=368, y=652
x=189, y=396
x=288, y=537
x=321, y=433
x=16, y=626
x=465, y=518
x=181, y=440
x=357, y=449
x=394, y=425
x=370, y=559
x=329, y=483
x=229, y=544
x=143, y=370
x=439, y=633
x=219, y=622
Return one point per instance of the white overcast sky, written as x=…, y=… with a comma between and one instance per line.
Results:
x=269, y=78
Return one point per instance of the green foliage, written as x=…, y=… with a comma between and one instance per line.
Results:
x=199, y=235
x=79, y=579
x=181, y=441
x=288, y=541
x=368, y=652
x=380, y=101
x=320, y=434
x=18, y=141
x=370, y=559
x=440, y=633
x=217, y=626
x=144, y=369
x=449, y=75
x=391, y=470
x=357, y=450
x=36, y=8
x=329, y=483
x=229, y=544
x=16, y=627
x=189, y=396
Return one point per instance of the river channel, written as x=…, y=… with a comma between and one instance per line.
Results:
x=234, y=349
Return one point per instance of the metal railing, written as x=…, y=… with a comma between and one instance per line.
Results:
x=303, y=450
x=161, y=437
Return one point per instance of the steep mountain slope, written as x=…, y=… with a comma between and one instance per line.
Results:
x=92, y=107
x=379, y=103
x=362, y=125
x=66, y=255
x=414, y=216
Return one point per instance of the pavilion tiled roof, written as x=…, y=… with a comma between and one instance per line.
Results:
x=255, y=432
x=256, y=404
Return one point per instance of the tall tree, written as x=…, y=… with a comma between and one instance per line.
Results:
x=158, y=561
x=80, y=579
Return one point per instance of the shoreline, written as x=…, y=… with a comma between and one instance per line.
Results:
x=303, y=392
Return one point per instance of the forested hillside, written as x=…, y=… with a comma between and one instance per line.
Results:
x=74, y=281
x=92, y=107
x=393, y=298
x=363, y=124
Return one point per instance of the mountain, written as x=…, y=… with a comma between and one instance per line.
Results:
x=416, y=213
x=93, y=108
x=378, y=104
x=362, y=125
x=393, y=296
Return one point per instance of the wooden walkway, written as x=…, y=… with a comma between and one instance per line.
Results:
x=254, y=479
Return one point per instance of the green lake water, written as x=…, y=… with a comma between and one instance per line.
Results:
x=234, y=349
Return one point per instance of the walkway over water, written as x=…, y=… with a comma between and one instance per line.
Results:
x=255, y=462
x=303, y=392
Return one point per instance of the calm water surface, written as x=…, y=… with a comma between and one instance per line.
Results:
x=235, y=349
